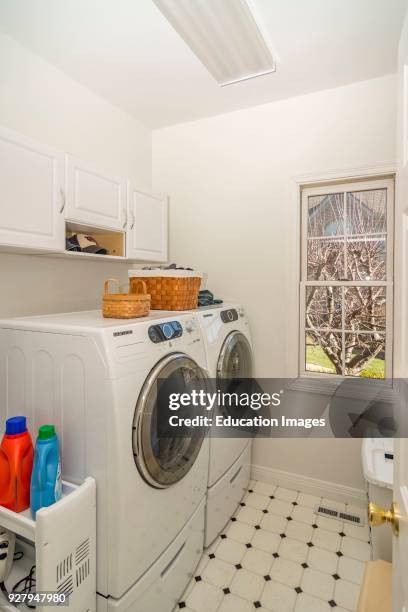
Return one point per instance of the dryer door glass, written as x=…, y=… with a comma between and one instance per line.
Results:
x=235, y=360
x=234, y=374
x=162, y=457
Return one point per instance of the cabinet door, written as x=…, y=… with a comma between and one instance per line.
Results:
x=148, y=226
x=94, y=198
x=31, y=193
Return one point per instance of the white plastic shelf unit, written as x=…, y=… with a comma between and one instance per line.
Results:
x=64, y=537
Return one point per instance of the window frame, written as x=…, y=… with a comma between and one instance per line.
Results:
x=361, y=184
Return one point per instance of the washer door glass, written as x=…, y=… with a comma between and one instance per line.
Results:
x=164, y=459
x=235, y=360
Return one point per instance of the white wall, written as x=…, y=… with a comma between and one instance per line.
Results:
x=232, y=216
x=38, y=100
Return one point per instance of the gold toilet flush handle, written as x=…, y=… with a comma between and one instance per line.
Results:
x=377, y=516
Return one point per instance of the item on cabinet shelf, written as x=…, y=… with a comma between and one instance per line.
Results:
x=206, y=298
x=126, y=305
x=88, y=244
x=85, y=244
x=46, y=484
x=7, y=546
x=72, y=244
x=173, y=289
x=16, y=464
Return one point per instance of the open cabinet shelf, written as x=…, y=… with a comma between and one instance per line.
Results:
x=63, y=538
x=111, y=240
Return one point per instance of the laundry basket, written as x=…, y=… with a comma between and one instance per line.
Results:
x=169, y=289
x=130, y=305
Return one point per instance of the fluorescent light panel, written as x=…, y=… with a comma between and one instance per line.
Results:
x=224, y=36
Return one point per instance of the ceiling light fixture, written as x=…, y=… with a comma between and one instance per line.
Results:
x=224, y=35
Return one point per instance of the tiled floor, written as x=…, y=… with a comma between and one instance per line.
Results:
x=277, y=555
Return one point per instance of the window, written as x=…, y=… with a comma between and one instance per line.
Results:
x=347, y=279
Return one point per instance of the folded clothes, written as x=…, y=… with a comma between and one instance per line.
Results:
x=171, y=266
x=206, y=298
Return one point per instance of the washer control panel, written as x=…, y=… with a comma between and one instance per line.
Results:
x=227, y=316
x=165, y=331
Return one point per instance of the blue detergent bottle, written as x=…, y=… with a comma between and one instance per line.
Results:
x=46, y=485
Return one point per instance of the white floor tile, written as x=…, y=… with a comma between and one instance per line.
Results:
x=308, y=603
x=326, y=539
x=257, y=561
x=264, y=488
x=286, y=494
x=230, y=551
x=359, y=510
x=287, y=572
x=188, y=590
x=213, y=546
x=304, y=515
x=301, y=576
x=335, y=505
x=346, y=594
x=350, y=547
x=293, y=550
x=300, y=531
x=322, y=560
x=351, y=570
x=278, y=597
x=204, y=597
x=219, y=573
x=241, y=532
x=329, y=524
x=358, y=532
x=266, y=540
x=256, y=500
x=280, y=507
x=318, y=584
x=247, y=585
x=304, y=499
x=274, y=523
x=231, y=603
x=249, y=515
x=202, y=565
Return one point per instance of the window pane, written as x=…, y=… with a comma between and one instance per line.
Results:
x=323, y=307
x=366, y=259
x=365, y=355
x=366, y=212
x=325, y=215
x=365, y=308
x=325, y=259
x=323, y=352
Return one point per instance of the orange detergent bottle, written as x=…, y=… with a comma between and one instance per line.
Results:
x=16, y=465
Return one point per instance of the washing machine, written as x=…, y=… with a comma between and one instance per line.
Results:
x=228, y=346
x=95, y=379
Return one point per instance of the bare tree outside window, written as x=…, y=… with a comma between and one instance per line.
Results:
x=346, y=280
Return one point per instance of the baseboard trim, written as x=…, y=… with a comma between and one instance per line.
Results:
x=313, y=486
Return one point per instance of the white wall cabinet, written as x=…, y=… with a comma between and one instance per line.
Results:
x=31, y=194
x=93, y=197
x=45, y=193
x=148, y=226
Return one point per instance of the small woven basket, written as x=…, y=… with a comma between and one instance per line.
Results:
x=126, y=305
x=170, y=292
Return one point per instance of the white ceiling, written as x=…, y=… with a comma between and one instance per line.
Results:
x=127, y=52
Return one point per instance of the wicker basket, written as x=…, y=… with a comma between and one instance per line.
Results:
x=169, y=290
x=126, y=305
